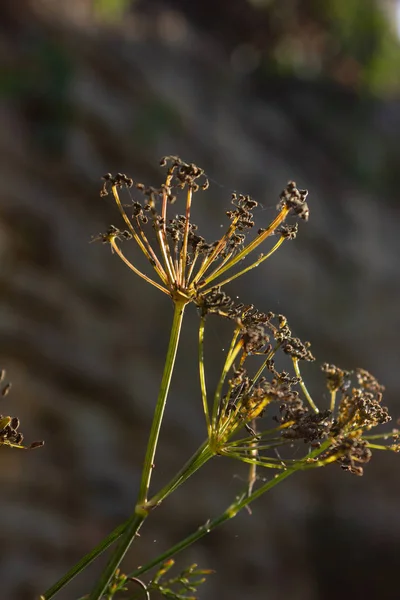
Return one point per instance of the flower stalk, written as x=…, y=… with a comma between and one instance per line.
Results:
x=199, y=458
x=186, y=267
x=142, y=510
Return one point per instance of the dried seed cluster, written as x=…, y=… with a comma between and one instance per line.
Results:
x=341, y=431
x=184, y=260
x=9, y=426
x=189, y=269
x=295, y=199
x=257, y=326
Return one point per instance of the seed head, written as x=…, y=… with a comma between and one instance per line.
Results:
x=9, y=434
x=186, y=263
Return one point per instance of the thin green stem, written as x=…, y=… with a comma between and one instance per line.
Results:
x=203, y=376
x=255, y=264
x=254, y=452
x=380, y=436
x=246, y=448
x=208, y=260
x=213, y=523
x=256, y=242
x=199, y=458
x=260, y=435
x=142, y=246
x=161, y=401
x=116, y=249
x=85, y=561
x=166, y=254
x=230, y=359
x=141, y=511
x=243, y=501
x=191, y=268
x=303, y=385
x=183, y=256
x=215, y=273
x=260, y=371
x=333, y=400
x=195, y=462
x=129, y=533
x=379, y=447
x=257, y=461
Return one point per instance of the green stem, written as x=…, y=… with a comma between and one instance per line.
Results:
x=303, y=385
x=229, y=513
x=198, y=459
x=255, y=264
x=161, y=401
x=85, y=561
x=141, y=511
x=129, y=533
x=252, y=245
x=230, y=359
x=243, y=501
x=202, y=375
x=263, y=366
x=333, y=400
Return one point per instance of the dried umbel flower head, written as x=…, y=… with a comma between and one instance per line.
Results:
x=338, y=433
x=184, y=262
x=9, y=426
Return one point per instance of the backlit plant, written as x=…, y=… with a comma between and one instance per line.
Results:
x=257, y=414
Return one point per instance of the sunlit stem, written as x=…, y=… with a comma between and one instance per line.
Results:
x=333, y=400
x=264, y=434
x=200, y=457
x=230, y=359
x=161, y=273
x=219, y=247
x=252, y=472
x=378, y=446
x=164, y=204
x=260, y=371
x=166, y=254
x=212, y=524
x=203, y=376
x=176, y=261
x=225, y=427
x=303, y=385
x=231, y=512
x=215, y=273
x=11, y=445
x=252, y=477
x=162, y=237
x=244, y=442
x=195, y=462
x=380, y=436
x=261, y=259
x=257, y=241
x=247, y=447
x=133, y=268
x=257, y=461
x=184, y=248
x=222, y=411
x=84, y=562
x=209, y=526
x=161, y=400
x=141, y=510
x=157, y=265
x=192, y=265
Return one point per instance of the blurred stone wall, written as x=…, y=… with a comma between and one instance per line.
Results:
x=83, y=340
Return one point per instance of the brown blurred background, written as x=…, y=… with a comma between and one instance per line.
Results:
x=257, y=92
